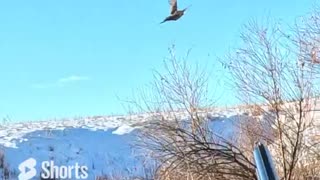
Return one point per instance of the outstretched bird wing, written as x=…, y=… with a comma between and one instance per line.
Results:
x=174, y=6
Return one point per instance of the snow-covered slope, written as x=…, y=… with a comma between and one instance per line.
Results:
x=102, y=144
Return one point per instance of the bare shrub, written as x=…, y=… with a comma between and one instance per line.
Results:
x=4, y=167
x=180, y=135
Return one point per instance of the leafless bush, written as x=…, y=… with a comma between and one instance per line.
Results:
x=199, y=155
x=4, y=167
x=180, y=137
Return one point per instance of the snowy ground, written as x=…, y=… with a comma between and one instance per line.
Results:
x=100, y=143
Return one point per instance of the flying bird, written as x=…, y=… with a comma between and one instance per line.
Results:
x=175, y=14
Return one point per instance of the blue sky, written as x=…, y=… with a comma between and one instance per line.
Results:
x=65, y=58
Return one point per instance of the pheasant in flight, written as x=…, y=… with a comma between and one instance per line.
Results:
x=175, y=14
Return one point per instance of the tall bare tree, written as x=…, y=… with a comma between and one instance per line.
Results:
x=276, y=71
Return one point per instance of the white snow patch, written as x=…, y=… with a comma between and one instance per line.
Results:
x=124, y=129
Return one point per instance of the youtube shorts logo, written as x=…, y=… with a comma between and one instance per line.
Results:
x=27, y=169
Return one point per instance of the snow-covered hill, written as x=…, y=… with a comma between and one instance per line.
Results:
x=102, y=144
